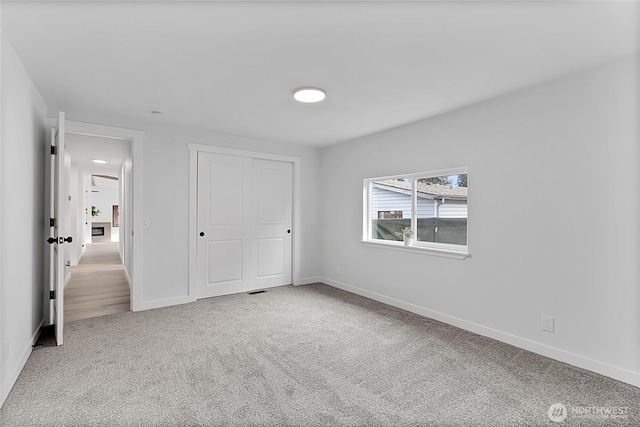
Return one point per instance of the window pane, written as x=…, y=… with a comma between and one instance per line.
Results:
x=390, y=208
x=389, y=214
x=442, y=209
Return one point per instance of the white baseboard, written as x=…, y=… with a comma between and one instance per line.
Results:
x=11, y=379
x=66, y=280
x=308, y=281
x=602, y=368
x=126, y=275
x=148, y=305
x=166, y=302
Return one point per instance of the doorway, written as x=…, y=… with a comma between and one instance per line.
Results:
x=58, y=223
x=96, y=282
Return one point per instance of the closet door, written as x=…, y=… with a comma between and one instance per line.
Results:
x=224, y=224
x=272, y=220
x=244, y=224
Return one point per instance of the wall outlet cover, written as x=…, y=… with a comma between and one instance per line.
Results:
x=548, y=323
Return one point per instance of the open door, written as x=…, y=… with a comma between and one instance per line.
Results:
x=57, y=228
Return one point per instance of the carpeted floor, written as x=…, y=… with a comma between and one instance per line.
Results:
x=298, y=356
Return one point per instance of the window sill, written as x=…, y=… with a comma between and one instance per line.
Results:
x=399, y=246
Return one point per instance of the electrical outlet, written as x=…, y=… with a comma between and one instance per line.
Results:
x=547, y=323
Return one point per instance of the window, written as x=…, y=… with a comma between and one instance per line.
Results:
x=433, y=204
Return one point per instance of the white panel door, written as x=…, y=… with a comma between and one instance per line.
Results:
x=224, y=224
x=57, y=231
x=272, y=220
x=244, y=221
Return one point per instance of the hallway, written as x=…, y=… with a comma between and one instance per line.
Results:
x=98, y=285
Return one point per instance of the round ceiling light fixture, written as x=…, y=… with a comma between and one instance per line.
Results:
x=99, y=161
x=309, y=95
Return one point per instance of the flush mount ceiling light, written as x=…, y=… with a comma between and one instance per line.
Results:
x=99, y=161
x=309, y=94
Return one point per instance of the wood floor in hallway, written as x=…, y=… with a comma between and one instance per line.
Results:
x=98, y=285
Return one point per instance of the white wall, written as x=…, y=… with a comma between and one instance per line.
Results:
x=77, y=213
x=126, y=217
x=166, y=204
x=536, y=158
x=104, y=199
x=21, y=215
x=3, y=393
x=74, y=206
x=86, y=214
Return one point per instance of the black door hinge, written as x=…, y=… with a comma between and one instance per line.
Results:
x=52, y=294
x=52, y=222
x=53, y=149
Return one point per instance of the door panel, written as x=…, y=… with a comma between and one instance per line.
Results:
x=58, y=230
x=244, y=224
x=272, y=216
x=270, y=256
x=223, y=224
x=226, y=191
x=225, y=261
x=270, y=193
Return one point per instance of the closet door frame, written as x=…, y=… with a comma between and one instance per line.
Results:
x=193, y=206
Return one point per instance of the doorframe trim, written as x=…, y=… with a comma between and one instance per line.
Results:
x=137, y=231
x=193, y=205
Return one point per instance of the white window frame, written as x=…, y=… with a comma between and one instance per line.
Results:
x=431, y=248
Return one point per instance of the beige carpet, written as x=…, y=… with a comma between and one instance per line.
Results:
x=297, y=356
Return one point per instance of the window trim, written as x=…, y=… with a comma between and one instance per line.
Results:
x=431, y=248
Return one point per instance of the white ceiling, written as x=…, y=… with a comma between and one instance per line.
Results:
x=100, y=182
x=84, y=149
x=232, y=66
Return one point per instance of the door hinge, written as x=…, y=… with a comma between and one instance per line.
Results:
x=53, y=150
x=52, y=294
x=52, y=222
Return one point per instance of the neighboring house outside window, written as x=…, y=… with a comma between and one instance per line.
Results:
x=433, y=204
x=389, y=214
